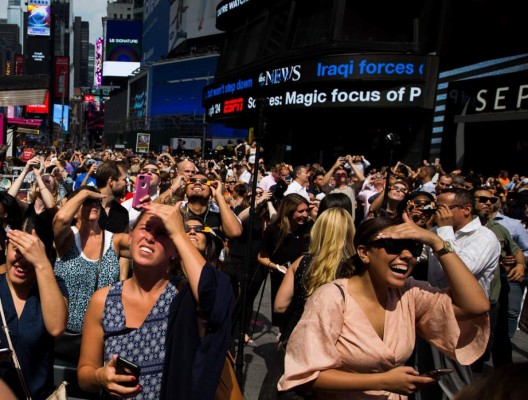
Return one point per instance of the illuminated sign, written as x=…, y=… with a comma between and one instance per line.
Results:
x=37, y=55
x=357, y=80
x=122, y=53
x=234, y=105
x=98, y=64
x=39, y=108
x=89, y=98
x=39, y=18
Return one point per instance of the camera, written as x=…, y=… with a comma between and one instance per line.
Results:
x=36, y=166
x=278, y=191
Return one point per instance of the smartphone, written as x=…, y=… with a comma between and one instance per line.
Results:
x=125, y=367
x=437, y=161
x=141, y=189
x=435, y=373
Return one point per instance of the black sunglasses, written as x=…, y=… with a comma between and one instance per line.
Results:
x=485, y=199
x=396, y=246
x=90, y=202
x=196, y=228
x=399, y=189
x=151, y=170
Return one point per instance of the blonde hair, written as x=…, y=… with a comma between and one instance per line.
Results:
x=331, y=246
x=33, y=193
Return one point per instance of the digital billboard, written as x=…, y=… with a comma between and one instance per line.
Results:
x=155, y=26
x=122, y=51
x=62, y=78
x=39, y=17
x=38, y=108
x=37, y=55
x=347, y=80
x=61, y=116
x=191, y=19
x=98, y=64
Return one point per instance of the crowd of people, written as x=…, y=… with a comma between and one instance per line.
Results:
x=378, y=273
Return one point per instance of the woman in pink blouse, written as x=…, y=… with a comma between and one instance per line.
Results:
x=353, y=343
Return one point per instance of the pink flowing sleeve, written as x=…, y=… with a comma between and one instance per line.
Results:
x=463, y=341
x=312, y=344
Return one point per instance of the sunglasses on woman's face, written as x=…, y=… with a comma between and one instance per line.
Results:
x=92, y=202
x=396, y=246
x=196, y=228
x=399, y=189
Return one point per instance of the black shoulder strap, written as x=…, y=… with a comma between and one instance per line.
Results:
x=340, y=289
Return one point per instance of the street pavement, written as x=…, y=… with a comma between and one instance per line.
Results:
x=265, y=337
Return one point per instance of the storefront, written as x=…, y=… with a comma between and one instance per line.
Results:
x=481, y=116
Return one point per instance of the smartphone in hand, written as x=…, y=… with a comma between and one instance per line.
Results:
x=125, y=367
x=141, y=189
x=436, y=373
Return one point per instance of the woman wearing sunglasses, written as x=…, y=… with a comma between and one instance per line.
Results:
x=361, y=329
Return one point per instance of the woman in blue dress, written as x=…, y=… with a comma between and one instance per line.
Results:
x=35, y=305
x=130, y=319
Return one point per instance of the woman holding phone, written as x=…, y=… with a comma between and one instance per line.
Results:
x=131, y=319
x=361, y=329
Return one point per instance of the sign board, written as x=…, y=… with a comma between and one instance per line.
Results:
x=143, y=142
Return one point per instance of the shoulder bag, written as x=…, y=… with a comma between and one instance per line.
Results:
x=68, y=345
x=228, y=387
x=58, y=394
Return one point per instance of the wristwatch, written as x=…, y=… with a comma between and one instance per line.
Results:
x=448, y=248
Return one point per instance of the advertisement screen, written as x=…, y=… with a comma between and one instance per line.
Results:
x=98, y=64
x=192, y=19
x=38, y=55
x=62, y=78
x=155, y=25
x=122, y=53
x=39, y=18
x=60, y=117
x=38, y=108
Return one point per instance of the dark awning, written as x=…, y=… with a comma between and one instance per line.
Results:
x=22, y=90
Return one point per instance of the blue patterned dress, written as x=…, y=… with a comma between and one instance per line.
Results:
x=144, y=346
x=79, y=274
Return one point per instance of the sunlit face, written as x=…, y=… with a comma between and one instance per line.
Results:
x=153, y=171
x=389, y=265
x=150, y=245
x=186, y=168
x=417, y=209
x=198, y=186
x=300, y=215
x=119, y=185
x=485, y=203
x=18, y=269
x=397, y=191
x=444, y=182
x=195, y=234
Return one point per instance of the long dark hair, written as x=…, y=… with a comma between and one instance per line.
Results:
x=12, y=210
